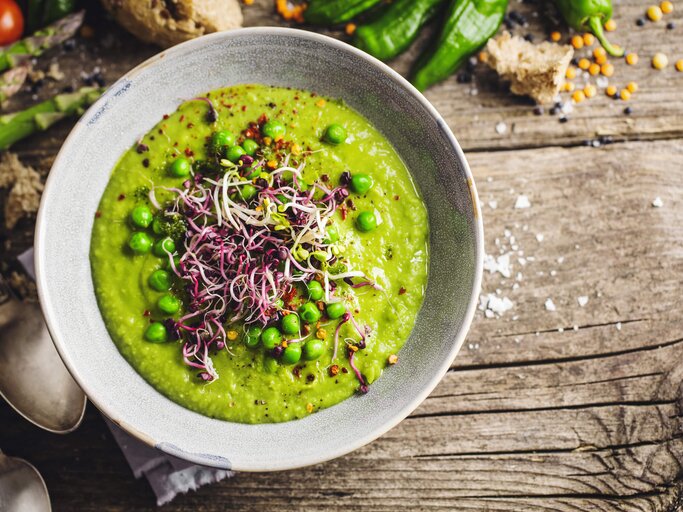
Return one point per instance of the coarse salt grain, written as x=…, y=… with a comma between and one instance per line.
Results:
x=618, y=326
x=539, y=237
x=492, y=304
x=582, y=300
x=522, y=202
x=501, y=264
x=501, y=128
x=550, y=305
x=657, y=202
x=493, y=204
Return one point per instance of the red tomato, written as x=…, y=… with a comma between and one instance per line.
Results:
x=11, y=22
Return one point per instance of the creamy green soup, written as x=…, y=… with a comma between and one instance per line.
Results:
x=245, y=230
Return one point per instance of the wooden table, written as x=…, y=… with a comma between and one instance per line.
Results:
x=573, y=409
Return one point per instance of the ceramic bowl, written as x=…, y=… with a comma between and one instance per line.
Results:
x=273, y=56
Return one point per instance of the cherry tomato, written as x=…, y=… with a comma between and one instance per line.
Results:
x=11, y=22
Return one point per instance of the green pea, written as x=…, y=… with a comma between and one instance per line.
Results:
x=250, y=147
x=315, y=290
x=168, y=304
x=248, y=192
x=271, y=337
x=274, y=129
x=335, y=134
x=140, y=242
x=222, y=138
x=180, y=167
x=234, y=153
x=332, y=234
x=292, y=353
x=251, y=337
x=157, y=226
x=290, y=324
x=141, y=216
x=279, y=304
x=164, y=246
x=309, y=312
x=156, y=333
x=270, y=364
x=160, y=280
x=366, y=221
x=335, y=310
x=313, y=349
x=361, y=183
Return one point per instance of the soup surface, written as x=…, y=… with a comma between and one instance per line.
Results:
x=245, y=237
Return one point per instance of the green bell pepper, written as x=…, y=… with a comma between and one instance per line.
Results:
x=397, y=27
x=589, y=15
x=333, y=12
x=468, y=26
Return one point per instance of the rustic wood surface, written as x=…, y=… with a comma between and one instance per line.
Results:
x=567, y=410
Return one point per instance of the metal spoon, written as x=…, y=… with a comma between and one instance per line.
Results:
x=33, y=378
x=21, y=487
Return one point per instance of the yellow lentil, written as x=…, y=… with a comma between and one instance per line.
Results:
x=625, y=94
x=578, y=96
x=320, y=103
x=607, y=69
x=660, y=61
x=631, y=59
x=632, y=87
x=232, y=335
x=679, y=65
x=594, y=69
x=570, y=73
x=588, y=39
x=568, y=86
x=654, y=13
x=350, y=29
x=321, y=334
x=247, y=2
x=577, y=42
x=589, y=91
x=610, y=25
x=610, y=90
x=555, y=36
x=483, y=57
x=666, y=7
x=353, y=348
x=599, y=52
x=584, y=64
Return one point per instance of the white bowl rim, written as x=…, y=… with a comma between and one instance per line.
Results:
x=400, y=415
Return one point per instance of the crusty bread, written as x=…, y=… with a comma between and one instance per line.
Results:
x=25, y=188
x=169, y=22
x=535, y=70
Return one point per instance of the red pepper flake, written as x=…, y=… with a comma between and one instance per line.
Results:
x=166, y=116
x=121, y=197
x=146, y=312
x=244, y=108
x=98, y=214
x=325, y=178
x=343, y=211
x=263, y=119
x=401, y=290
x=189, y=152
x=182, y=118
x=334, y=370
x=296, y=371
x=345, y=370
x=190, y=125
x=397, y=197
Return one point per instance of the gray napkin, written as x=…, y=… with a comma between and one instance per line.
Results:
x=167, y=475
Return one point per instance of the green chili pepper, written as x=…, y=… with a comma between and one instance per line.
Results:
x=332, y=12
x=589, y=15
x=397, y=27
x=469, y=24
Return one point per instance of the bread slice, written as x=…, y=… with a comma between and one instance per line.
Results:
x=535, y=70
x=169, y=22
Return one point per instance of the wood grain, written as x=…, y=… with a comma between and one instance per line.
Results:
x=577, y=409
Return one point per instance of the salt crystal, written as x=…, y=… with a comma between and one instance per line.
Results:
x=539, y=237
x=576, y=327
x=550, y=305
x=657, y=202
x=602, y=82
x=507, y=233
x=560, y=260
x=489, y=178
x=553, y=273
x=501, y=128
x=618, y=326
x=515, y=286
x=583, y=300
x=561, y=329
x=501, y=264
x=522, y=202
x=494, y=305
x=493, y=204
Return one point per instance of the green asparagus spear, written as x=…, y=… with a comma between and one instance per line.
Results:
x=40, y=117
x=11, y=81
x=21, y=52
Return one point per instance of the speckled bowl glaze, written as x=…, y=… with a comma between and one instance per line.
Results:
x=274, y=56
